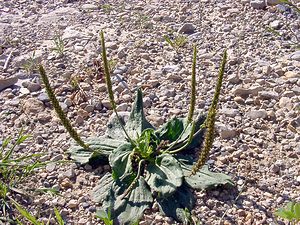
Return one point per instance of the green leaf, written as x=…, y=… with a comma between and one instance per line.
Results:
x=198, y=137
x=22, y=138
x=6, y=142
x=147, y=143
x=171, y=130
x=101, y=147
x=105, y=216
x=176, y=205
x=130, y=209
x=203, y=179
x=165, y=175
x=139, y=200
x=297, y=211
x=114, y=128
x=100, y=192
x=137, y=121
x=26, y=214
x=290, y=212
x=120, y=160
x=183, y=131
x=59, y=219
x=285, y=214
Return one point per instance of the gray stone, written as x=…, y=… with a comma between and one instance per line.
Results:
x=276, y=24
x=64, y=106
x=255, y=114
x=187, y=28
x=79, y=120
x=70, y=173
x=33, y=87
x=72, y=204
x=273, y=2
x=39, y=140
x=228, y=133
x=106, y=104
x=24, y=91
x=230, y=112
x=170, y=68
x=33, y=106
x=174, y=77
x=267, y=95
x=57, y=158
x=169, y=93
x=89, y=7
x=244, y=92
x=43, y=97
x=295, y=56
x=122, y=53
x=89, y=108
x=7, y=82
x=285, y=102
x=233, y=78
x=258, y=4
x=50, y=167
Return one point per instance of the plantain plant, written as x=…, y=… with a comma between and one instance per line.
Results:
x=147, y=164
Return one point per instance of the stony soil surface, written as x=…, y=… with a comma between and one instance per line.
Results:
x=258, y=140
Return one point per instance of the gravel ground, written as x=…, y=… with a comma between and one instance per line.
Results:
x=258, y=140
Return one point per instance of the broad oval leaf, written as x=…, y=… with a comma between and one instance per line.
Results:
x=165, y=175
x=178, y=205
x=100, y=147
x=101, y=191
x=128, y=210
x=137, y=121
x=203, y=179
x=140, y=199
x=171, y=130
x=114, y=128
x=120, y=160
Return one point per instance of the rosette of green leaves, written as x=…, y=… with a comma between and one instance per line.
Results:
x=151, y=164
x=152, y=169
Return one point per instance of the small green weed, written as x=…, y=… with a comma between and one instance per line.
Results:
x=178, y=41
x=142, y=20
x=31, y=64
x=107, y=8
x=105, y=217
x=13, y=170
x=112, y=63
x=59, y=45
x=33, y=220
x=290, y=212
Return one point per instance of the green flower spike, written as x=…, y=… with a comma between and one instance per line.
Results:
x=210, y=121
x=66, y=123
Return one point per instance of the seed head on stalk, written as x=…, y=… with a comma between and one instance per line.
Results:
x=109, y=86
x=193, y=87
x=66, y=123
x=210, y=121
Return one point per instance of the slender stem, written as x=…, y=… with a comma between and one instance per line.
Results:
x=188, y=142
x=109, y=86
x=127, y=191
x=210, y=121
x=177, y=140
x=73, y=133
x=193, y=87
